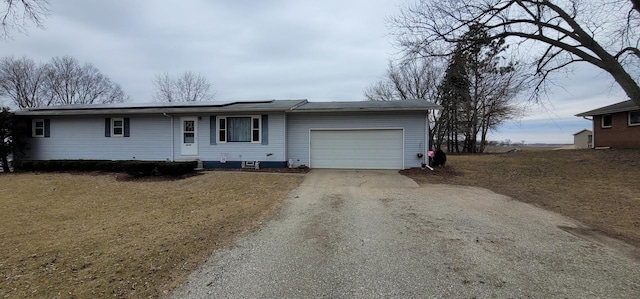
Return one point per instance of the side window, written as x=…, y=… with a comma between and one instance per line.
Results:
x=117, y=127
x=607, y=121
x=37, y=128
x=255, y=129
x=634, y=118
x=222, y=130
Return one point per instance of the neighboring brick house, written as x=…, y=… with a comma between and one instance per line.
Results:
x=616, y=126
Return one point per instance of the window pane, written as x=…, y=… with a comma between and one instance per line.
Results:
x=222, y=124
x=256, y=135
x=256, y=123
x=38, y=128
x=223, y=136
x=117, y=131
x=188, y=137
x=606, y=120
x=189, y=126
x=239, y=129
x=634, y=117
x=117, y=123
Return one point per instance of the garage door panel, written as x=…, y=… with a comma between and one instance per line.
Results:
x=364, y=149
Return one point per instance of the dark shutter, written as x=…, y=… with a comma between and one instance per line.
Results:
x=47, y=128
x=107, y=127
x=265, y=129
x=30, y=127
x=126, y=127
x=212, y=130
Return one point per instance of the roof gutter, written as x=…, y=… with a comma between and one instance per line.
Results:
x=365, y=110
x=52, y=112
x=172, y=137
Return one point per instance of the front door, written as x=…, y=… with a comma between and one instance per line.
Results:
x=189, y=145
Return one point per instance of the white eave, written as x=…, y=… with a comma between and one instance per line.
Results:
x=295, y=106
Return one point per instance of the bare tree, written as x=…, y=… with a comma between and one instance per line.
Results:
x=68, y=82
x=603, y=33
x=383, y=90
x=62, y=81
x=18, y=14
x=410, y=79
x=21, y=81
x=188, y=87
x=477, y=92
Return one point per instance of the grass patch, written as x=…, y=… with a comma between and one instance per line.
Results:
x=597, y=187
x=68, y=235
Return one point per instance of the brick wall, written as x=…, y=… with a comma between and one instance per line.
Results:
x=619, y=135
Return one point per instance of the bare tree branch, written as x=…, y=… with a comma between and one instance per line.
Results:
x=17, y=14
x=571, y=30
x=188, y=87
x=21, y=81
x=62, y=81
x=67, y=82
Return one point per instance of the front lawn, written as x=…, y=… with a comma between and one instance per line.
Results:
x=88, y=235
x=598, y=187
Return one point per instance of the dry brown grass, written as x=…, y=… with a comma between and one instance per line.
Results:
x=90, y=236
x=597, y=187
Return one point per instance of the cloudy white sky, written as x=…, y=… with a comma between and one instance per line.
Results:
x=328, y=50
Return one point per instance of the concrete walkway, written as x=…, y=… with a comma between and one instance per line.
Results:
x=368, y=234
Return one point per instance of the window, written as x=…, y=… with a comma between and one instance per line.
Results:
x=606, y=121
x=37, y=128
x=117, y=127
x=239, y=129
x=634, y=118
x=189, y=130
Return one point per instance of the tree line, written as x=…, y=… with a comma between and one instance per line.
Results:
x=473, y=57
x=65, y=81
x=476, y=87
x=61, y=81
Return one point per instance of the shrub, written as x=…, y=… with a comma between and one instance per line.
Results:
x=439, y=158
x=133, y=168
x=139, y=168
x=176, y=168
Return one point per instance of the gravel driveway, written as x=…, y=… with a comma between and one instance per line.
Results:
x=348, y=233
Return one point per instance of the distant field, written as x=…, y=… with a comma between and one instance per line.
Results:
x=504, y=149
x=598, y=187
x=91, y=236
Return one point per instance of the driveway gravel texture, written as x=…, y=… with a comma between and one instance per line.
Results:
x=373, y=234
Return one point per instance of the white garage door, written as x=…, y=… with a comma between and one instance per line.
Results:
x=357, y=149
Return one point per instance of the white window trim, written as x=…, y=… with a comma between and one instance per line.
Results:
x=602, y=121
x=113, y=127
x=629, y=119
x=226, y=127
x=33, y=128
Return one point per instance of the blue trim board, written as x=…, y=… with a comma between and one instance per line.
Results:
x=238, y=164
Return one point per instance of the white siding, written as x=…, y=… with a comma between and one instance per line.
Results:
x=235, y=151
x=300, y=124
x=84, y=138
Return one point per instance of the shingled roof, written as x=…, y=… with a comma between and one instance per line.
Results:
x=624, y=106
x=217, y=107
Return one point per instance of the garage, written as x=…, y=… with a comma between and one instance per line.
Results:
x=357, y=149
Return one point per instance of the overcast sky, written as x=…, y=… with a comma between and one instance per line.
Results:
x=328, y=50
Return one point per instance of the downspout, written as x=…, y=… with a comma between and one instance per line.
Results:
x=172, y=139
x=427, y=146
x=593, y=132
